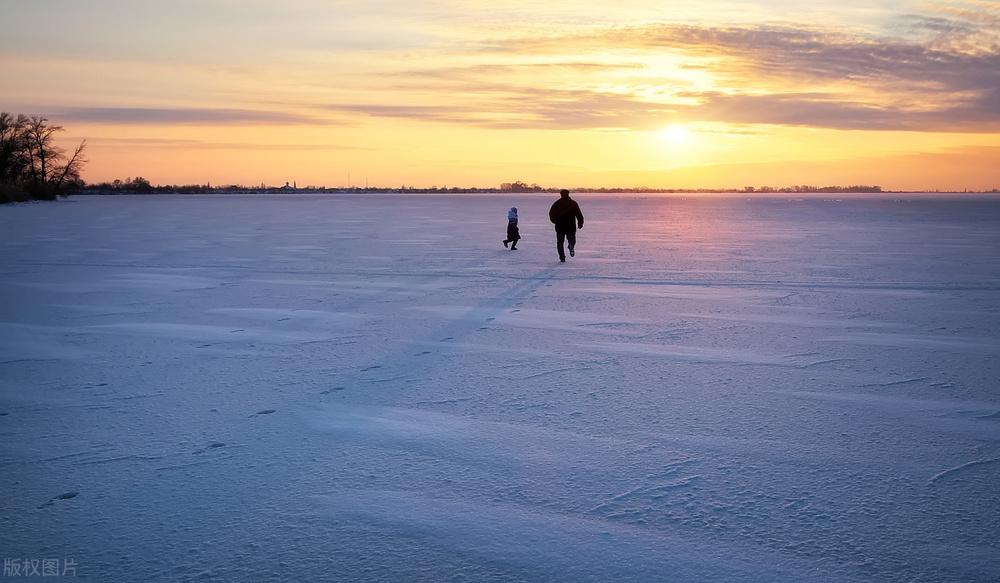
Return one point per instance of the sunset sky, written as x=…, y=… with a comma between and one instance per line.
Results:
x=901, y=93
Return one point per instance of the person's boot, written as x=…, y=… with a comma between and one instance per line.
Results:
x=513, y=247
x=572, y=252
x=505, y=242
x=562, y=259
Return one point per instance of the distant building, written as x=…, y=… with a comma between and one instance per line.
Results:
x=288, y=187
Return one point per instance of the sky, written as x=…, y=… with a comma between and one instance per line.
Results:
x=900, y=93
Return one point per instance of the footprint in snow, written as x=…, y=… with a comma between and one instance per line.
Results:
x=65, y=496
x=373, y=367
x=264, y=412
x=328, y=391
x=426, y=352
x=212, y=445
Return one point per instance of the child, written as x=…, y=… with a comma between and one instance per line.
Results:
x=513, y=234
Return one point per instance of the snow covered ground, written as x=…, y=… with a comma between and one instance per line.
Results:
x=371, y=388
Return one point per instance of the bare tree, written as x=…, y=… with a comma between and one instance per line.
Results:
x=31, y=160
x=70, y=171
x=13, y=149
x=42, y=151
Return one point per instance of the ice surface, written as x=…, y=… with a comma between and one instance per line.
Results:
x=371, y=388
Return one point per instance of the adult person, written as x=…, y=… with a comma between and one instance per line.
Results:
x=566, y=216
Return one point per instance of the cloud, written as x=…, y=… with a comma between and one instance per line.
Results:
x=546, y=68
x=161, y=143
x=531, y=108
x=941, y=72
x=181, y=116
x=418, y=112
x=832, y=111
x=944, y=75
x=803, y=51
x=539, y=108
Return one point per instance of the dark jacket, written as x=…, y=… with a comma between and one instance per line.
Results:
x=513, y=233
x=565, y=214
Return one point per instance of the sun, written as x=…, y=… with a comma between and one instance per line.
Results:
x=675, y=134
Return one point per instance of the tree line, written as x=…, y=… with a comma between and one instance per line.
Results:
x=32, y=166
x=140, y=185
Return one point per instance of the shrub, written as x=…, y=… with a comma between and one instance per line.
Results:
x=9, y=193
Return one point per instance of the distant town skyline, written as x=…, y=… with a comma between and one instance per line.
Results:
x=900, y=93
